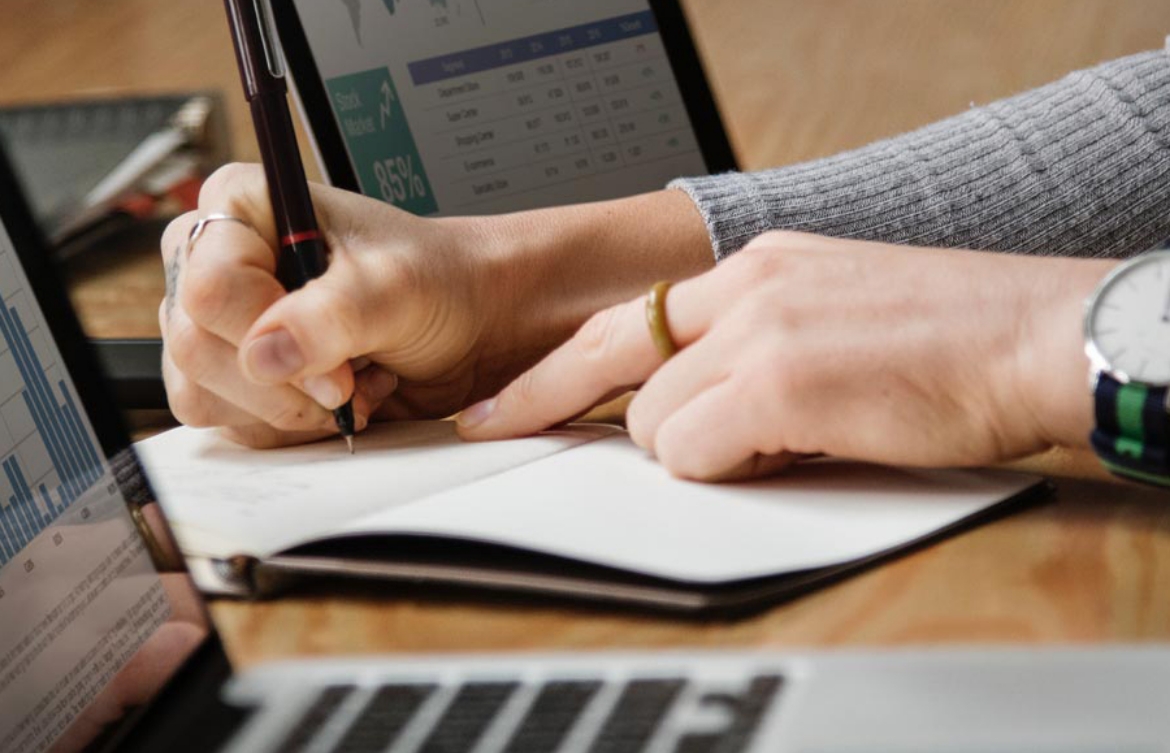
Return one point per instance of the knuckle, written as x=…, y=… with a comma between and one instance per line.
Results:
x=638, y=424
x=205, y=294
x=680, y=458
x=760, y=261
x=175, y=234
x=184, y=343
x=226, y=183
x=190, y=406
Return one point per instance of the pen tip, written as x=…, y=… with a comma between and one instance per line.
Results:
x=349, y=443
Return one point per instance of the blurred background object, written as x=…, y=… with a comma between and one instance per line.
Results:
x=92, y=167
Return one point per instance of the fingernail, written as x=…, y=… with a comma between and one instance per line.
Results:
x=380, y=384
x=476, y=414
x=275, y=357
x=324, y=391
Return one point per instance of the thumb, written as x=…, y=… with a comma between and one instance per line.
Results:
x=312, y=332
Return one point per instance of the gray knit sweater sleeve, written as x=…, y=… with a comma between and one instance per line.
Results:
x=1079, y=167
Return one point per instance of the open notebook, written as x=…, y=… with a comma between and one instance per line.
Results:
x=579, y=512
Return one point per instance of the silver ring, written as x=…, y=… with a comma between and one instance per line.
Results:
x=201, y=225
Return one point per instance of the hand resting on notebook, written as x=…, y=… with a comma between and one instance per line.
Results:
x=797, y=344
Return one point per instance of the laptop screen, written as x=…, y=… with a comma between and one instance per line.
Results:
x=473, y=107
x=96, y=614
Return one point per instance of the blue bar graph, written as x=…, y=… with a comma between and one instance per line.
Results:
x=59, y=425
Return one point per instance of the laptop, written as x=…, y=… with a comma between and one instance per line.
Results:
x=105, y=645
x=466, y=107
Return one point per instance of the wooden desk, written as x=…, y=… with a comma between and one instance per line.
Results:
x=797, y=80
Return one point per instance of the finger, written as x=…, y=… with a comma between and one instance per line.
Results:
x=674, y=384
x=229, y=280
x=172, y=245
x=711, y=437
x=194, y=406
x=174, y=237
x=374, y=387
x=313, y=331
x=260, y=436
x=758, y=466
x=211, y=363
x=612, y=351
x=241, y=191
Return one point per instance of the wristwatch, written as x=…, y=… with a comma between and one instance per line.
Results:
x=1127, y=339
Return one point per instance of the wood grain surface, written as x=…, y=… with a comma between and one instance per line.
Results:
x=796, y=79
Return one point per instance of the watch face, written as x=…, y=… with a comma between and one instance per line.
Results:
x=1128, y=326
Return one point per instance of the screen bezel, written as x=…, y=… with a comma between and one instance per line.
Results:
x=316, y=109
x=46, y=283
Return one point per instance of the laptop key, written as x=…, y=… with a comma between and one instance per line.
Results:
x=384, y=718
x=557, y=706
x=324, y=707
x=747, y=711
x=636, y=716
x=468, y=716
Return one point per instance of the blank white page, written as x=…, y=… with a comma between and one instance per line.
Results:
x=608, y=503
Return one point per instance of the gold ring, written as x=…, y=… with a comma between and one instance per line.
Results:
x=201, y=225
x=656, y=319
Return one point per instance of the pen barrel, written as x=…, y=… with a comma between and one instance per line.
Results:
x=301, y=261
x=303, y=255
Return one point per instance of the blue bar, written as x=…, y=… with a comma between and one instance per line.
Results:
x=11, y=335
x=26, y=528
x=28, y=506
x=30, y=499
x=55, y=452
x=86, y=444
x=54, y=511
x=527, y=49
x=44, y=425
x=35, y=377
x=14, y=506
x=17, y=505
x=8, y=542
x=80, y=438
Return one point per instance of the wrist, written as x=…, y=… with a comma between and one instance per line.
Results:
x=548, y=270
x=1054, y=367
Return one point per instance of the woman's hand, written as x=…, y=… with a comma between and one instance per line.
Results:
x=434, y=313
x=805, y=345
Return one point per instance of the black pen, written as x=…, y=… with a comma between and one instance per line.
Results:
x=303, y=255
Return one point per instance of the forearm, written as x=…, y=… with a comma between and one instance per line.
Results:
x=558, y=266
x=1078, y=167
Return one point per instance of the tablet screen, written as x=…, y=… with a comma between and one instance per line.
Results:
x=450, y=107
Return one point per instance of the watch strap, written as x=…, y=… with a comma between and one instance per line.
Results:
x=1132, y=437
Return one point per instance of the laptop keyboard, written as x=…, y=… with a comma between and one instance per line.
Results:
x=551, y=715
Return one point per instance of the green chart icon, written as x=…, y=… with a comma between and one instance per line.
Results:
x=380, y=141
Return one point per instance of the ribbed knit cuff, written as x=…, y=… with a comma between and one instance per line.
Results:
x=1079, y=167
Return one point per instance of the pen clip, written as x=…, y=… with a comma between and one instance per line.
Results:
x=268, y=37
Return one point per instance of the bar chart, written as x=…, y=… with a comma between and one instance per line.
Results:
x=40, y=491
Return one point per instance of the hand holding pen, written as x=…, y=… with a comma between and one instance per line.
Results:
x=303, y=255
